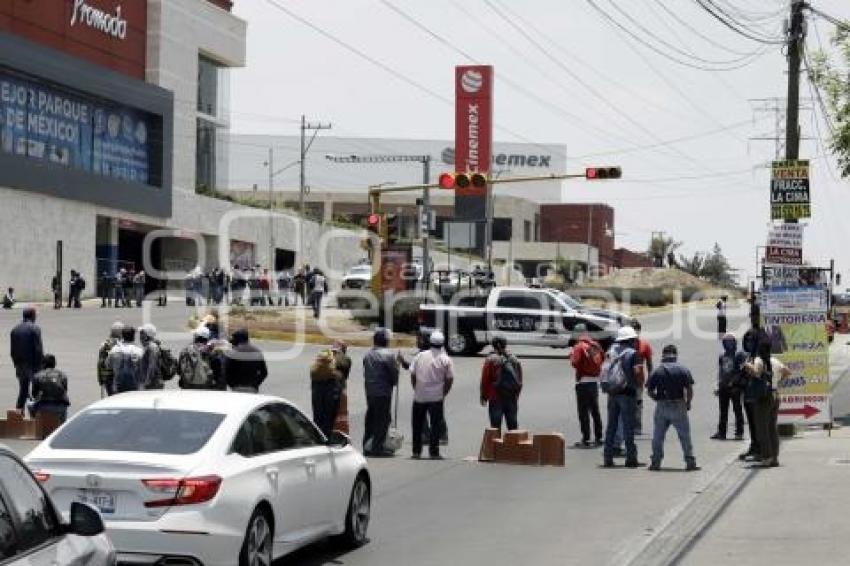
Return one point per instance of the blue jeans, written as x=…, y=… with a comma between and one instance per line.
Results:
x=675, y=414
x=621, y=406
x=503, y=408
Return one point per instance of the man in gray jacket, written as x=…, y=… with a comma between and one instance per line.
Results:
x=151, y=368
x=380, y=373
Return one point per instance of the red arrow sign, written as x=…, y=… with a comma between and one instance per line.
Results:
x=806, y=411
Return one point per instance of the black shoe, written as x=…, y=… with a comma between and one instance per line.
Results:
x=437, y=457
x=739, y=437
x=582, y=444
x=633, y=464
x=718, y=436
x=654, y=467
x=619, y=453
x=598, y=442
x=608, y=464
x=416, y=456
x=691, y=467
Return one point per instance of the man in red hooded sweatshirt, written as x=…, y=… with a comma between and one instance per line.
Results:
x=587, y=357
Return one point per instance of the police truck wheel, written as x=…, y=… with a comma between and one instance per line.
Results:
x=460, y=344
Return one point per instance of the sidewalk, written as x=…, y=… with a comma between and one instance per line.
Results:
x=794, y=514
x=791, y=515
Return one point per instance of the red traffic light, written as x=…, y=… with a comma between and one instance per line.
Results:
x=373, y=219
x=447, y=181
x=594, y=173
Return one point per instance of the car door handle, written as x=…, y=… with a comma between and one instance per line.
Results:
x=272, y=473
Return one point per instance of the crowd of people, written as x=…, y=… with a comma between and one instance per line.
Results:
x=133, y=359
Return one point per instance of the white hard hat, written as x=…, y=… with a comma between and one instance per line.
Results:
x=148, y=330
x=626, y=333
x=437, y=339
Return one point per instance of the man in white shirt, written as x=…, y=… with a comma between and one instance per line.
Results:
x=431, y=375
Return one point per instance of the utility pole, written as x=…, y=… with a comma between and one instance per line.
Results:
x=796, y=36
x=589, y=236
x=271, y=263
x=302, y=183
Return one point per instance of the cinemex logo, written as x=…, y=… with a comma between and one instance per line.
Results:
x=471, y=81
x=110, y=24
x=505, y=159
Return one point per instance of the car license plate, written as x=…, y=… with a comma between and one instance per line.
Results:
x=104, y=501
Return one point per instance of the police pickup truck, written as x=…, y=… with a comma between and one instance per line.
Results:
x=534, y=317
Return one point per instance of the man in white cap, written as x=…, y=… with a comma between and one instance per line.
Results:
x=621, y=377
x=431, y=375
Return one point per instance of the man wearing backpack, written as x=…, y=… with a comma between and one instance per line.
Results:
x=50, y=390
x=194, y=363
x=621, y=376
x=671, y=386
x=431, y=375
x=501, y=384
x=125, y=359
x=730, y=387
x=587, y=357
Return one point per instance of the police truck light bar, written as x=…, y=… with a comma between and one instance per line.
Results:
x=596, y=173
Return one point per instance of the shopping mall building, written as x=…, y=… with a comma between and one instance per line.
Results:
x=111, y=112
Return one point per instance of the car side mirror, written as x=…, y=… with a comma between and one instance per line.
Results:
x=338, y=439
x=85, y=520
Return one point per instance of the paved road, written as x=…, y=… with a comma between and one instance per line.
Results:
x=460, y=511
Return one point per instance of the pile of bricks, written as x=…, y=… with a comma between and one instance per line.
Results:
x=518, y=447
x=17, y=427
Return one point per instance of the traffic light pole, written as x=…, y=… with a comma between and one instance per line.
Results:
x=426, y=229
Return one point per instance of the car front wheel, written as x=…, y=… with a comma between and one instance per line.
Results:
x=257, y=547
x=358, y=515
x=460, y=344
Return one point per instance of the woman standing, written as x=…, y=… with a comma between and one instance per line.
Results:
x=721, y=316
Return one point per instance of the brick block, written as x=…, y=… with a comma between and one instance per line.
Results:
x=14, y=416
x=486, y=452
x=514, y=437
x=29, y=430
x=528, y=453
x=551, y=448
x=2, y=428
x=46, y=423
x=14, y=428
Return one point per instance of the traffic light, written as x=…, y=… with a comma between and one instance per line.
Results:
x=462, y=180
x=393, y=228
x=596, y=173
x=373, y=223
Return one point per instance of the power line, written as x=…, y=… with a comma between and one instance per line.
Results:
x=685, y=24
x=735, y=26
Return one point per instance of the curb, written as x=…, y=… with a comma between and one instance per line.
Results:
x=674, y=535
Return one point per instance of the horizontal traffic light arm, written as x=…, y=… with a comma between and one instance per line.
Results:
x=407, y=188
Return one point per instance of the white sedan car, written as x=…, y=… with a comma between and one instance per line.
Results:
x=206, y=477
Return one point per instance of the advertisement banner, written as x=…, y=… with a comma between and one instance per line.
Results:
x=795, y=321
x=793, y=276
x=789, y=190
x=784, y=245
x=51, y=124
x=473, y=122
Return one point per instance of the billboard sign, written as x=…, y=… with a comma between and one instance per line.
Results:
x=795, y=321
x=785, y=245
x=789, y=190
x=473, y=122
x=56, y=125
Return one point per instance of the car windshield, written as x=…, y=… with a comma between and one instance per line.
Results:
x=154, y=431
x=571, y=302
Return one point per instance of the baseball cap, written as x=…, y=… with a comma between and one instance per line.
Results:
x=626, y=333
x=437, y=339
x=202, y=332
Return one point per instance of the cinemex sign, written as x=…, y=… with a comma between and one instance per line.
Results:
x=111, y=24
x=506, y=159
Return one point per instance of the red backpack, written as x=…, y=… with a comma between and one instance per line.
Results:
x=592, y=358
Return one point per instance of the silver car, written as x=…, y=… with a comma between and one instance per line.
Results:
x=33, y=534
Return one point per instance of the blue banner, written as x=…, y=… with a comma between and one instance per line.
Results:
x=51, y=124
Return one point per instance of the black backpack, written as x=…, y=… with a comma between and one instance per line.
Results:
x=50, y=382
x=507, y=377
x=168, y=366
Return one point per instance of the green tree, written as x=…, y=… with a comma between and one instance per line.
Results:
x=829, y=72
x=660, y=248
x=693, y=265
x=716, y=268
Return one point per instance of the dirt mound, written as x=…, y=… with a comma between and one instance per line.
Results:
x=650, y=278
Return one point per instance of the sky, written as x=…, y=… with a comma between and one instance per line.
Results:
x=659, y=87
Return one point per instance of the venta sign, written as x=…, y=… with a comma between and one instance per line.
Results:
x=109, y=23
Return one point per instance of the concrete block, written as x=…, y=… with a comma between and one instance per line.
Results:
x=552, y=449
x=485, y=453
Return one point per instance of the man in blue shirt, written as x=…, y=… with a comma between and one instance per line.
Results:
x=672, y=387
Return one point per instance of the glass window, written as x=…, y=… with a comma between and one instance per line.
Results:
x=502, y=229
x=205, y=157
x=534, y=301
x=265, y=430
x=208, y=71
x=28, y=502
x=526, y=230
x=303, y=431
x=156, y=431
x=7, y=532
